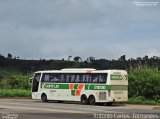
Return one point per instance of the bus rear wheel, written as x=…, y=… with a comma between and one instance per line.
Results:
x=92, y=100
x=84, y=100
x=109, y=103
x=44, y=97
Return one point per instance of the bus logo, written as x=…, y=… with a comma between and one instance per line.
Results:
x=51, y=86
x=99, y=87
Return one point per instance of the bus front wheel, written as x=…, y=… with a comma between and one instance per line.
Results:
x=92, y=100
x=44, y=97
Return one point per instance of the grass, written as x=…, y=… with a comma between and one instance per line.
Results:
x=14, y=93
x=140, y=100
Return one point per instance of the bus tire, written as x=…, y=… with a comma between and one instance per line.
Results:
x=109, y=103
x=44, y=97
x=84, y=100
x=92, y=100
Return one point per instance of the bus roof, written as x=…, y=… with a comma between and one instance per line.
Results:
x=78, y=69
x=82, y=70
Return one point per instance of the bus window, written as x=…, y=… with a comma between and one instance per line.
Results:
x=51, y=77
x=56, y=78
x=72, y=76
x=102, y=78
x=45, y=78
x=86, y=78
x=63, y=78
x=89, y=78
x=68, y=78
x=77, y=78
x=94, y=78
x=83, y=78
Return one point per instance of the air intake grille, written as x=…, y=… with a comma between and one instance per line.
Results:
x=102, y=96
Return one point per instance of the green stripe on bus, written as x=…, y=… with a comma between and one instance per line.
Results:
x=75, y=86
x=86, y=87
x=55, y=86
x=96, y=87
x=73, y=92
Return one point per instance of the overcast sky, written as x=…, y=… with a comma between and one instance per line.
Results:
x=55, y=29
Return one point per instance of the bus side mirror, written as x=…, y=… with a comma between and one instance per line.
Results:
x=30, y=80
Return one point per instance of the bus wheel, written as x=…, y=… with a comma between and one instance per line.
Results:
x=92, y=100
x=109, y=103
x=84, y=100
x=44, y=97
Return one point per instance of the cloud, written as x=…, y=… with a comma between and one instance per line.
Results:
x=58, y=28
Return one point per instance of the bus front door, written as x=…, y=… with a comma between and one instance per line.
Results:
x=35, y=84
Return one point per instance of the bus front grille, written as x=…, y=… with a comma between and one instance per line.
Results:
x=102, y=95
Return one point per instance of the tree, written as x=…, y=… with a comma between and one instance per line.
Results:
x=90, y=59
x=77, y=59
x=69, y=58
x=145, y=57
x=9, y=56
x=122, y=58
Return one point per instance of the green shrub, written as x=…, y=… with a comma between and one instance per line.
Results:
x=145, y=82
x=13, y=79
x=142, y=100
x=15, y=93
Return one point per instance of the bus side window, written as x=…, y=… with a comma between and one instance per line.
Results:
x=46, y=78
x=94, y=78
x=102, y=78
x=63, y=78
x=83, y=78
x=89, y=78
x=56, y=78
x=51, y=77
x=72, y=78
x=67, y=78
x=77, y=78
x=80, y=78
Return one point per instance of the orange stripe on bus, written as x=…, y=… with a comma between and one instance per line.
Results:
x=78, y=92
x=71, y=86
x=89, y=71
x=80, y=86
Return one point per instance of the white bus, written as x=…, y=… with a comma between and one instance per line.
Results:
x=89, y=86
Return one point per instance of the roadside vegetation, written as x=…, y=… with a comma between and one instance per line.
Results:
x=15, y=93
x=142, y=101
x=14, y=84
x=13, y=79
x=144, y=84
